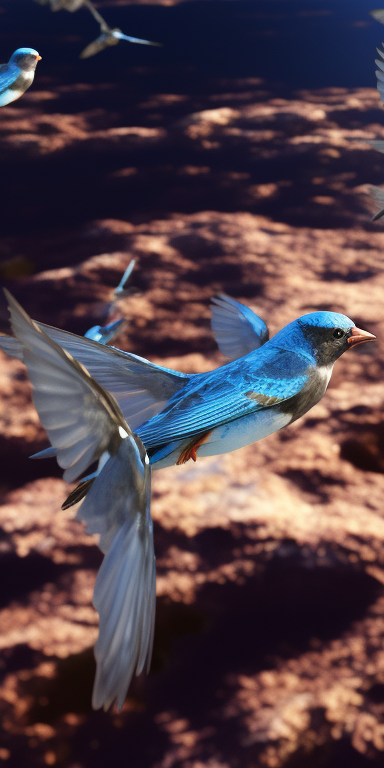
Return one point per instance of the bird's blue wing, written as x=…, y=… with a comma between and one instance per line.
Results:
x=237, y=329
x=8, y=74
x=238, y=389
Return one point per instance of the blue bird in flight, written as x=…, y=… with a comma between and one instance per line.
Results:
x=105, y=334
x=88, y=410
x=17, y=76
x=181, y=416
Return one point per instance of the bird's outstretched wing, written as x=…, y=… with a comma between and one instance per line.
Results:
x=380, y=73
x=237, y=329
x=125, y=590
x=111, y=37
x=378, y=14
x=83, y=421
x=238, y=389
x=101, y=42
x=141, y=388
x=377, y=194
x=120, y=36
x=80, y=418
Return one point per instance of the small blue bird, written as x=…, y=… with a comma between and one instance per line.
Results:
x=105, y=334
x=181, y=416
x=17, y=76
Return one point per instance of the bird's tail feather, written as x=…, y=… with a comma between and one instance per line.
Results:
x=125, y=600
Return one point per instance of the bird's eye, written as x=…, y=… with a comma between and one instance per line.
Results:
x=338, y=333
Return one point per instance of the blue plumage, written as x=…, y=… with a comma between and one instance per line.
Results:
x=106, y=333
x=17, y=75
x=286, y=376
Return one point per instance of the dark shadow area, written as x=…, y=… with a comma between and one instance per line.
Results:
x=23, y=575
x=314, y=483
x=365, y=450
x=337, y=754
x=15, y=463
x=215, y=53
x=231, y=629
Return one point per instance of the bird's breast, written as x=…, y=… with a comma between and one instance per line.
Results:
x=310, y=394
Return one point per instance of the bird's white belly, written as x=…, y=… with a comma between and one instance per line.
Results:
x=249, y=429
x=236, y=434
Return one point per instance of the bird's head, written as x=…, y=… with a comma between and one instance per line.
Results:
x=328, y=335
x=25, y=58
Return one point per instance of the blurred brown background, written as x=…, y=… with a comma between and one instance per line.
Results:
x=231, y=159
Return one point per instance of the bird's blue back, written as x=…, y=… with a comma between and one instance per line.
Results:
x=267, y=376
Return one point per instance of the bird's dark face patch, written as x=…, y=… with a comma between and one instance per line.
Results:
x=25, y=61
x=327, y=343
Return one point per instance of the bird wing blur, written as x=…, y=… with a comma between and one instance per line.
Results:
x=378, y=14
x=141, y=388
x=80, y=418
x=377, y=194
x=103, y=41
x=110, y=37
x=83, y=422
x=380, y=73
x=237, y=329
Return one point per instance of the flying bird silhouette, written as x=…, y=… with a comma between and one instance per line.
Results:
x=107, y=37
x=84, y=423
x=17, y=76
x=110, y=37
x=107, y=333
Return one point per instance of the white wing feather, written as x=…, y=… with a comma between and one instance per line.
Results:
x=237, y=329
x=141, y=388
x=80, y=419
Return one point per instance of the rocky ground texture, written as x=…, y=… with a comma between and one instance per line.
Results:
x=269, y=644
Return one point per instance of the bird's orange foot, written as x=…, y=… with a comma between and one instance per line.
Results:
x=190, y=451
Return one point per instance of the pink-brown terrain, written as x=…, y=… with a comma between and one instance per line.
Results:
x=269, y=644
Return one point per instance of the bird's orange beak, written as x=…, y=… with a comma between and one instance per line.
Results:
x=359, y=337
x=38, y=58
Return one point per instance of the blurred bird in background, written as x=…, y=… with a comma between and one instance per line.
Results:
x=17, y=76
x=84, y=423
x=106, y=334
x=377, y=194
x=107, y=37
